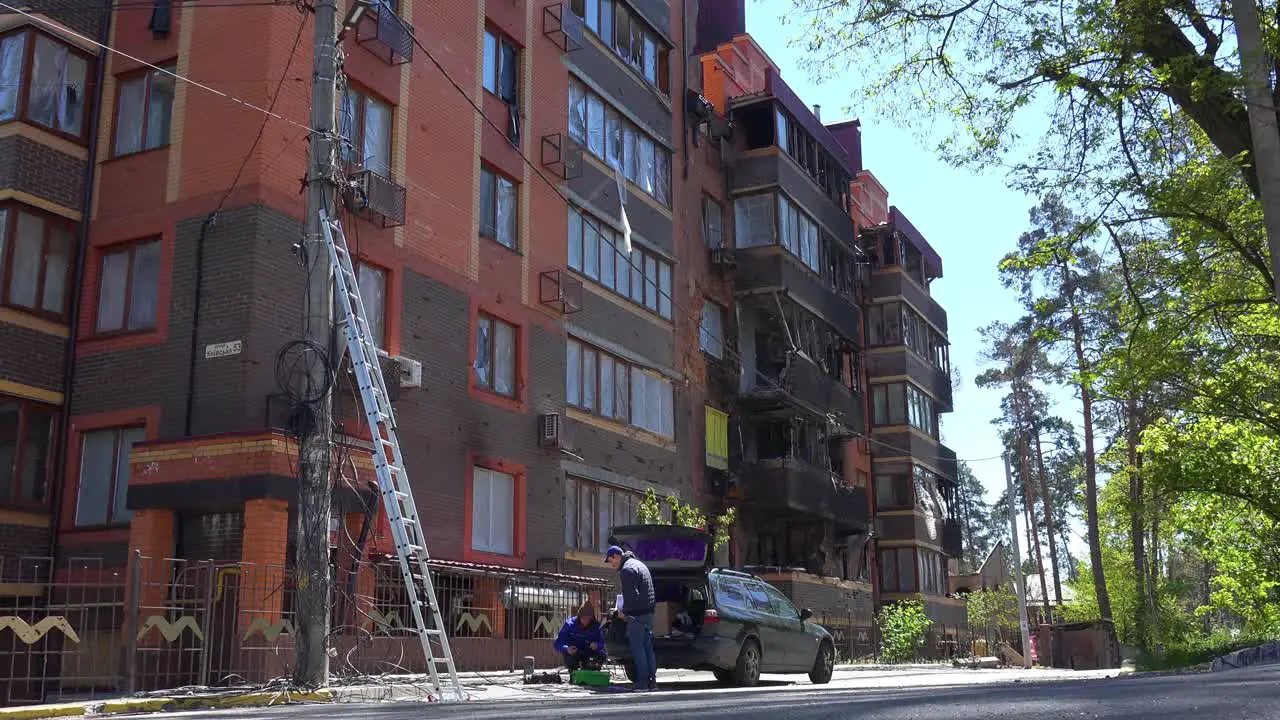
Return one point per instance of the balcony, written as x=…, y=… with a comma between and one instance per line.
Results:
x=893, y=282
x=803, y=380
x=902, y=442
x=791, y=486
x=952, y=538
x=380, y=198
x=771, y=167
x=898, y=361
x=771, y=268
x=385, y=34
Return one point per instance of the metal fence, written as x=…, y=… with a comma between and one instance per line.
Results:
x=80, y=630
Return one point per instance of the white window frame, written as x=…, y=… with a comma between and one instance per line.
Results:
x=492, y=534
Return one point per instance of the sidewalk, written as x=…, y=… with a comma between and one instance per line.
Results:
x=507, y=686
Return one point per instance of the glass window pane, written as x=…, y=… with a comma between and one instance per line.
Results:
x=129, y=115
x=484, y=353
x=97, y=465
x=577, y=111
x=621, y=394
x=607, y=395
x=71, y=99
x=9, y=421
x=488, y=202
x=159, y=109
x=377, y=137
x=651, y=282
x=570, y=512
x=586, y=515
x=504, y=380
x=506, y=213
x=613, y=137
x=591, y=249
x=606, y=259
x=373, y=295
x=502, y=523
x=48, y=67
x=507, y=73
x=604, y=505
x=128, y=437
x=637, y=275
x=490, y=79
x=595, y=125
x=4, y=240
x=575, y=240
x=573, y=374
x=622, y=270
x=144, y=292
x=113, y=284
x=606, y=21
x=481, y=508
x=28, y=248
x=648, y=165
x=664, y=290
x=593, y=15
x=638, y=410
x=56, y=259
x=589, y=379
x=37, y=442
x=349, y=125
x=12, y=52
x=650, y=60
x=662, y=176
x=631, y=154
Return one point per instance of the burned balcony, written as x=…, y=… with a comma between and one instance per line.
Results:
x=798, y=379
x=378, y=198
x=788, y=485
x=773, y=269
x=384, y=33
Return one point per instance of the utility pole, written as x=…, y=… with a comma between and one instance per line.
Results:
x=1021, y=587
x=311, y=664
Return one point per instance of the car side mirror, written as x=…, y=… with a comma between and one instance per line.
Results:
x=806, y=613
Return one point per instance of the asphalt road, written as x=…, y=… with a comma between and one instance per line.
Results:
x=1250, y=694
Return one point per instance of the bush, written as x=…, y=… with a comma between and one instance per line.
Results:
x=902, y=627
x=1196, y=651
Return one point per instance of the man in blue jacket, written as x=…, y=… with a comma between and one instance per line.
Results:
x=581, y=640
x=637, y=610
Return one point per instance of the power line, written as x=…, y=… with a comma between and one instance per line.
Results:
x=170, y=73
x=270, y=113
x=150, y=5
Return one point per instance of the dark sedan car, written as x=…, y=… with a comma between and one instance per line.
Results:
x=729, y=622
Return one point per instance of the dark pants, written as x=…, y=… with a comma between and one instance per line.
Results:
x=584, y=660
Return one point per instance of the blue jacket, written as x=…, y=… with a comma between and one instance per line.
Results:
x=573, y=634
x=637, y=586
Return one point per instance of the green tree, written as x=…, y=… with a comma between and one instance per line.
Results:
x=993, y=611
x=975, y=514
x=902, y=630
x=649, y=512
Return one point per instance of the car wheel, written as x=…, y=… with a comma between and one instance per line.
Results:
x=824, y=665
x=747, y=672
x=723, y=676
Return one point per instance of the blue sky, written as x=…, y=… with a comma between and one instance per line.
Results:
x=971, y=219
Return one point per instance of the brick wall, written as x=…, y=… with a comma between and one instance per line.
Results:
x=30, y=167
x=31, y=358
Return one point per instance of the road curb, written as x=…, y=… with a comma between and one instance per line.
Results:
x=165, y=704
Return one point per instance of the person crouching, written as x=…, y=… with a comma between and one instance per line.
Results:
x=581, y=640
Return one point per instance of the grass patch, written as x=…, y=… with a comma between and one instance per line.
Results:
x=1201, y=651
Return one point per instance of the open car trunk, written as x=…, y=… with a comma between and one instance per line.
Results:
x=678, y=559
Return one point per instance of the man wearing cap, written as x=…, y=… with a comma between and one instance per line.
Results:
x=637, y=611
x=581, y=641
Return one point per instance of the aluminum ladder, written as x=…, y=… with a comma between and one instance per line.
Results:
x=388, y=464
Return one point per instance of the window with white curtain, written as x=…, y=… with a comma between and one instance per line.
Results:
x=55, y=76
x=144, y=110
x=365, y=126
x=595, y=250
x=711, y=330
x=610, y=387
x=128, y=288
x=36, y=250
x=493, y=519
x=373, y=295
x=498, y=212
x=495, y=359
x=604, y=132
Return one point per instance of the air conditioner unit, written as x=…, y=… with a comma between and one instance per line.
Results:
x=549, y=430
x=410, y=371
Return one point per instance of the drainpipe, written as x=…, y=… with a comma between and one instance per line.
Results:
x=208, y=223
x=77, y=279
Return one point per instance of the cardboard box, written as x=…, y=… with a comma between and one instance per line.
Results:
x=662, y=619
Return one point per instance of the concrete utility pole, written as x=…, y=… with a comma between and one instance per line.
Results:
x=1021, y=587
x=311, y=665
